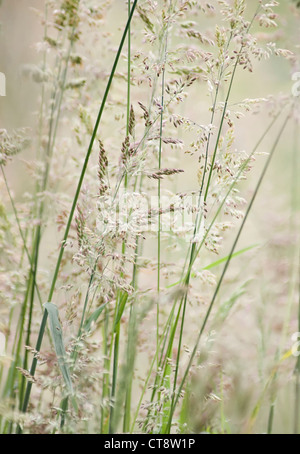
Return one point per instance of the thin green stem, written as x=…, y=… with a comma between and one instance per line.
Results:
x=126, y=422
x=159, y=185
x=128, y=82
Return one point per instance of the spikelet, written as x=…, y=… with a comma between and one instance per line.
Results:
x=80, y=224
x=159, y=174
x=131, y=125
x=125, y=150
x=102, y=169
x=148, y=122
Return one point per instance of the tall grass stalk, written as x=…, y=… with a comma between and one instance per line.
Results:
x=117, y=336
x=192, y=256
x=20, y=231
x=72, y=211
x=164, y=356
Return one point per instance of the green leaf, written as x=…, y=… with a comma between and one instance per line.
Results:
x=121, y=309
x=219, y=262
x=236, y=254
x=94, y=317
x=56, y=333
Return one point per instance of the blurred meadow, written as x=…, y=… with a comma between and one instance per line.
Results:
x=156, y=336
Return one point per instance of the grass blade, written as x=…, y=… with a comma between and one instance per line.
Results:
x=218, y=262
x=94, y=317
x=57, y=337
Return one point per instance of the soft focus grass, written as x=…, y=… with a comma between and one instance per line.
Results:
x=246, y=343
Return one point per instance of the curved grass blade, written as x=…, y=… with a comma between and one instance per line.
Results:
x=218, y=262
x=94, y=317
x=57, y=337
x=122, y=305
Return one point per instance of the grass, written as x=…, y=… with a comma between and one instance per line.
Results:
x=131, y=299
x=71, y=215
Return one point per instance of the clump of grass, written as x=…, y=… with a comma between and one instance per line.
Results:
x=135, y=293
